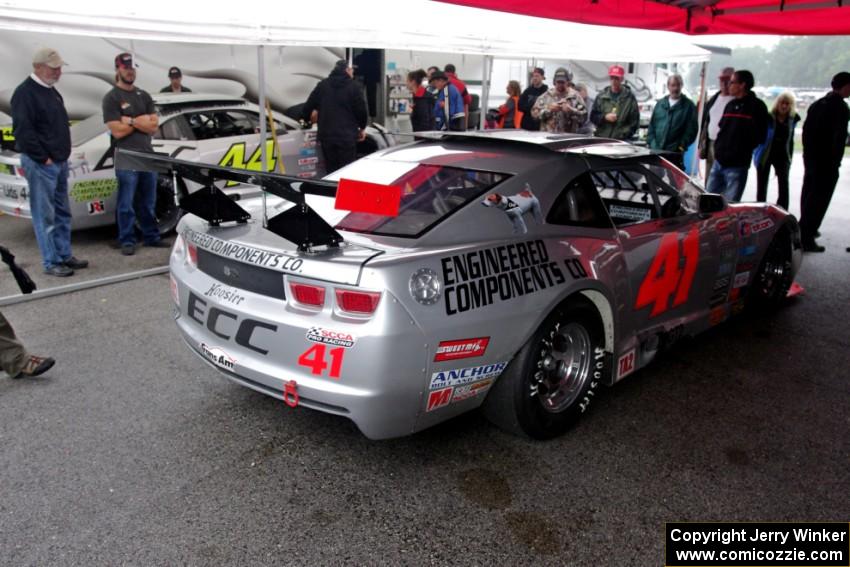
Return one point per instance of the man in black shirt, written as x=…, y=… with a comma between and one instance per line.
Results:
x=824, y=135
x=743, y=127
x=130, y=115
x=342, y=115
x=42, y=135
x=529, y=97
x=175, y=76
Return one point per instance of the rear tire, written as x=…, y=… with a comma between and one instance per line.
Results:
x=775, y=274
x=554, y=377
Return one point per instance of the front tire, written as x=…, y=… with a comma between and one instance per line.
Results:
x=553, y=379
x=775, y=274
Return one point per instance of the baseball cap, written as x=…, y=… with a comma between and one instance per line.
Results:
x=616, y=71
x=439, y=75
x=562, y=74
x=48, y=56
x=124, y=60
x=175, y=72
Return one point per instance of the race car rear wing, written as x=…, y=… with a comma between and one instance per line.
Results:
x=300, y=224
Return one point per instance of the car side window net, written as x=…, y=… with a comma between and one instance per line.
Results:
x=579, y=205
x=429, y=195
x=627, y=195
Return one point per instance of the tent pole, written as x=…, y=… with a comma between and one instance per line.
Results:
x=700, y=111
x=261, y=79
x=485, y=89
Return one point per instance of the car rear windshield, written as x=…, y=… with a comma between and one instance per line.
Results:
x=429, y=195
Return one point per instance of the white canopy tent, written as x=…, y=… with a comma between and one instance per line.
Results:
x=409, y=25
x=412, y=24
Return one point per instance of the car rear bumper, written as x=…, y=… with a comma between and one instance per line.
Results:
x=263, y=343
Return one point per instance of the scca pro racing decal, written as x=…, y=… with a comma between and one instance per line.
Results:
x=464, y=376
x=218, y=357
x=464, y=348
x=478, y=279
x=330, y=337
x=244, y=253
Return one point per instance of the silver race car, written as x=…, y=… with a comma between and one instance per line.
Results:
x=213, y=129
x=512, y=270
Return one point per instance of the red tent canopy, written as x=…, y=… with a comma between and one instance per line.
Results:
x=781, y=17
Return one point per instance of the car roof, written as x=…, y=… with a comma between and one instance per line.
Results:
x=572, y=143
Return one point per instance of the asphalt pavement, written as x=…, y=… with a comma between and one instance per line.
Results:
x=134, y=452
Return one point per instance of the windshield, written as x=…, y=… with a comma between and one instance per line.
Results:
x=85, y=130
x=429, y=194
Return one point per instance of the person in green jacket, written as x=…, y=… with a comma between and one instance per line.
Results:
x=673, y=126
x=615, y=110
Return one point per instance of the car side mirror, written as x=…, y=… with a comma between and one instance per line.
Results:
x=709, y=203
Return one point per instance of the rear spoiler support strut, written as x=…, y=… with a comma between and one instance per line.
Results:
x=300, y=224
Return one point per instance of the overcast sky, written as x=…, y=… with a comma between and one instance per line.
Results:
x=731, y=40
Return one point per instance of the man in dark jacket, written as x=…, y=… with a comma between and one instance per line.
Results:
x=673, y=126
x=342, y=115
x=824, y=135
x=710, y=125
x=615, y=110
x=42, y=135
x=529, y=97
x=743, y=126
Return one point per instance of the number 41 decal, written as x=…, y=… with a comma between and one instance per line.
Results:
x=667, y=276
x=314, y=359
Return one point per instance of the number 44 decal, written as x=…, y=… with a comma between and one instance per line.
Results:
x=671, y=272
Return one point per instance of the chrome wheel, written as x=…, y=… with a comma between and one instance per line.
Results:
x=563, y=366
x=775, y=275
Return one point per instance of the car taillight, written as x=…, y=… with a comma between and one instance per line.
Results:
x=175, y=293
x=19, y=171
x=362, y=302
x=312, y=295
x=192, y=256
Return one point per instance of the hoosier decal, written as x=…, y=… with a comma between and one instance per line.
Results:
x=480, y=278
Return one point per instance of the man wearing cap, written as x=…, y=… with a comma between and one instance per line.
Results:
x=42, y=135
x=710, y=126
x=560, y=109
x=129, y=113
x=448, y=108
x=673, y=126
x=824, y=136
x=529, y=97
x=342, y=115
x=615, y=110
x=176, y=85
x=743, y=127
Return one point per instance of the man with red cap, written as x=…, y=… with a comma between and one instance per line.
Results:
x=615, y=110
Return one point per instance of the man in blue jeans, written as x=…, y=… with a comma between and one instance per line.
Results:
x=743, y=126
x=43, y=137
x=129, y=113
